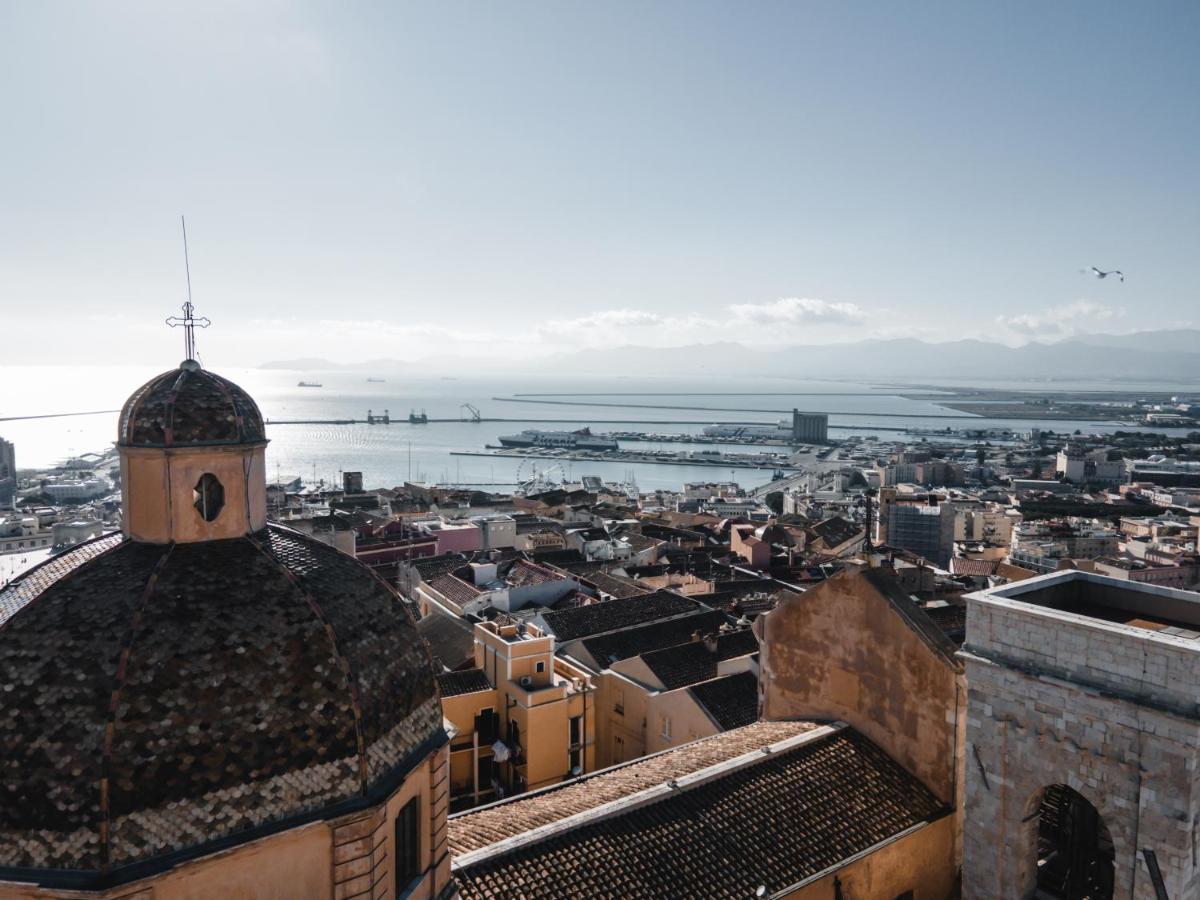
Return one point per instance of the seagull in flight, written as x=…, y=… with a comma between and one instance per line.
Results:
x=1099, y=274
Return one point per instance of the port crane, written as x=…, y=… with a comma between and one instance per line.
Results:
x=472, y=412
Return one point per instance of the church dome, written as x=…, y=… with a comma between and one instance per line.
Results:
x=161, y=701
x=189, y=407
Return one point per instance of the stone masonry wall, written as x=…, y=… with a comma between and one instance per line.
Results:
x=1153, y=668
x=1027, y=730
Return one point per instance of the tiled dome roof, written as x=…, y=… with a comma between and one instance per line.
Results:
x=155, y=699
x=189, y=406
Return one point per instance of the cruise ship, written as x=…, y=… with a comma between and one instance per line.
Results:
x=583, y=439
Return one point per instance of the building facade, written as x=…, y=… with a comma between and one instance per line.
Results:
x=810, y=428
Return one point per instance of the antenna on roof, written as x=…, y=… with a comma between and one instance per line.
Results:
x=189, y=321
x=187, y=268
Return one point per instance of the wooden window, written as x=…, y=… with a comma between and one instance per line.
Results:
x=408, y=846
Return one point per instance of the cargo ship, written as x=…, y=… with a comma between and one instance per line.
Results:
x=583, y=439
x=308, y=384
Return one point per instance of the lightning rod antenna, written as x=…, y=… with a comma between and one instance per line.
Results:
x=187, y=268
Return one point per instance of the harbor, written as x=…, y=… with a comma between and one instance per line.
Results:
x=710, y=458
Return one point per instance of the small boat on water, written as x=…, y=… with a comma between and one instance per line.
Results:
x=309, y=384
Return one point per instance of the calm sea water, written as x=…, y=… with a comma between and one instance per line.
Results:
x=388, y=455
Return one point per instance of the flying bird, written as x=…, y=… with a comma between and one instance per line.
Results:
x=1100, y=274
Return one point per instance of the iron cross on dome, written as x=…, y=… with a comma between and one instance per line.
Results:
x=190, y=323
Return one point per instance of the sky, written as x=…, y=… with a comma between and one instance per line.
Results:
x=457, y=181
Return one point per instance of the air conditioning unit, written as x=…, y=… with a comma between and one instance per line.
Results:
x=526, y=681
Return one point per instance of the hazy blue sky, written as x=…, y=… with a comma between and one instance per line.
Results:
x=457, y=178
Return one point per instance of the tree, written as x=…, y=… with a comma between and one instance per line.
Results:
x=774, y=501
x=980, y=455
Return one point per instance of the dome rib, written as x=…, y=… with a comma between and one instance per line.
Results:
x=343, y=662
x=114, y=706
x=172, y=396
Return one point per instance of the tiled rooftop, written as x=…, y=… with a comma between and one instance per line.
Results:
x=468, y=681
x=597, y=618
x=455, y=589
x=835, y=531
x=451, y=639
x=616, y=586
x=732, y=700
x=430, y=567
x=761, y=819
x=484, y=826
x=523, y=573
x=976, y=567
x=607, y=648
x=53, y=570
x=693, y=662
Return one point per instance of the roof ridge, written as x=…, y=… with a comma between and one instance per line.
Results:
x=644, y=797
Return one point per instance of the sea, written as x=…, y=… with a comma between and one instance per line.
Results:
x=388, y=455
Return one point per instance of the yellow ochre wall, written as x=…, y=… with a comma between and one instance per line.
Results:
x=840, y=651
x=922, y=862
x=157, y=492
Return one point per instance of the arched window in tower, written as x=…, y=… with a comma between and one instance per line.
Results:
x=1075, y=850
x=208, y=496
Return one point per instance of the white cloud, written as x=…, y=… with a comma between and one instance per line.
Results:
x=619, y=326
x=798, y=310
x=608, y=318
x=1058, y=321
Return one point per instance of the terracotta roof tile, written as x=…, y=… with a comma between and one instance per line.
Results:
x=770, y=820
x=618, y=587
x=523, y=573
x=979, y=567
x=468, y=681
x=484, y=826
x=731, y=700
x=455, y=589
x=608, y=648
x=694, y=662
x=597, y=618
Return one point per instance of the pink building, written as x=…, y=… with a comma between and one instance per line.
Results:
x=453, y=536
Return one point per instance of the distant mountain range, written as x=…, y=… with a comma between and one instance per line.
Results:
x=1171, y=353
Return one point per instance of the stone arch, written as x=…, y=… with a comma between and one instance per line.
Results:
x=1071, y=845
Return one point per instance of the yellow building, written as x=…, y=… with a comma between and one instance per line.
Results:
x=669, y=696
x=521, y=719
x=208, y=705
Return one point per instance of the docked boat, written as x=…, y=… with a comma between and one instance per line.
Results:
x=583, y=439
